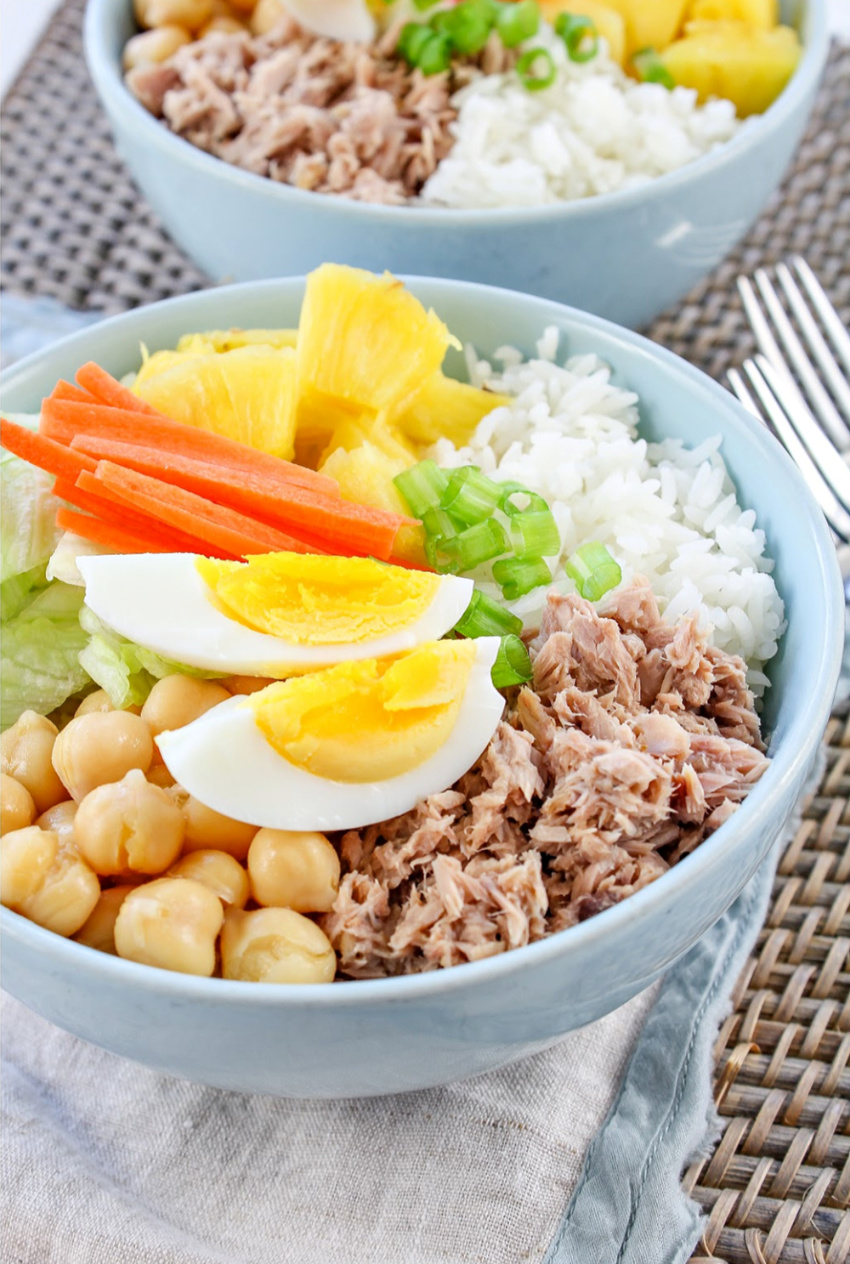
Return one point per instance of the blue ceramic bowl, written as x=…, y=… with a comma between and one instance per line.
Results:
x=388, y=1035
x=626, y=256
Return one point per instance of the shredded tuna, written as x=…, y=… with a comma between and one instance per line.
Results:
x=315, y=113
x=592, y=787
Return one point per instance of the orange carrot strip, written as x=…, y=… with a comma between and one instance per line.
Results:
x=55, y=458
x=106, y=390
x=139, y=524
x=61, y=420
x=345, y=526
x=74, y=394
x=106, y=533
x=187, y=512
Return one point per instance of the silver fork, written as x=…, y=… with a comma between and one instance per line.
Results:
x=809, y=412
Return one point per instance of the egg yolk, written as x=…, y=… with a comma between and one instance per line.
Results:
x=315, y=600
x=367, y=720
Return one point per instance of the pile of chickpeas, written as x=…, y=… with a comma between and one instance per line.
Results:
x=97, y=842
x=169, y=24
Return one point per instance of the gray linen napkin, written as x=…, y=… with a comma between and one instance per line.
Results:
x=572, y=1155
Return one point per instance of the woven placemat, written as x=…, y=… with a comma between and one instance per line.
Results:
x=777, y=1187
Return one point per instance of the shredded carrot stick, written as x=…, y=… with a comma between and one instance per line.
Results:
x=55, y=458
x=106, y=533
x=61, y=420
x=187, y=512
x=92, y=378
x=340, y=524
x=140, y=524
x=74, y=394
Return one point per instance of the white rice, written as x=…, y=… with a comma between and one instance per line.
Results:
x=593, y=131
x=662, y=510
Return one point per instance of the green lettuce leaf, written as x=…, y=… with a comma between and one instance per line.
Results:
x=41, y=645
x=28, y=532
x=125, y=670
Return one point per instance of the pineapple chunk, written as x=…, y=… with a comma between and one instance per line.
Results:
x=762, y=15
x=365, y=474
x=730, y=59
x=447, y=409
x=609, y=23
x=649, y=23
x=378, y=432
x=247, y=394
x=230, y=339
x=364, y=343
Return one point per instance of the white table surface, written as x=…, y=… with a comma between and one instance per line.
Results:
x=24, y=21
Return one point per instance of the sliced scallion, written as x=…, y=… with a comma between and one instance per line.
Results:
x=512, y=665
x=651, y=68
x=485, y=617
x=438, y=525
x=535, y=534
x=468, y=26
x=435, y=54
x=423, y=485
x=412, y=39
x=517, y=22
x=470, y=496
x=536, y=69
x=477, y=544
x=594, y=570
x=518, y=575
x=579, y=36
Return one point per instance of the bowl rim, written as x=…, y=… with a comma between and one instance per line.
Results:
x=106, y=75
x=791, y=761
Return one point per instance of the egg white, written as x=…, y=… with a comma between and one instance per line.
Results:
x=224, y=760
x=335, y=19
x=160, y=601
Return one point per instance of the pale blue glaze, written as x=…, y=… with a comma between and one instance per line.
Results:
x=626, y=256
x=388, y=1035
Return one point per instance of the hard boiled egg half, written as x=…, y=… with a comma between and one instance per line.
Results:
x=344, y=747
x=276, y=614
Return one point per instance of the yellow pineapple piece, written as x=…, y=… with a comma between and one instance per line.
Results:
x=649, y=23
x=447, y=409
x=377, y=431
x=365, y=474
x=609, y=23
x=730, y=59
x=365, y=344
x=247, y=394
x=231, y=339
x=763, y=15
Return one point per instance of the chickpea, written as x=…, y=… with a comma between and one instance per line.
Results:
x=25, y=754
x=151, y=48
x=60, y=819
x=99, y=930
x=97, y=701
x=172, y=923
x=246, y=684
x=222, y=24
x=177, y=700
x=129, y=826
x=191, y=14
x=266, y=16
x=17, y=809
x=46, y=881
x=218, y=871
x=275, y=945
x=293, y=870
x=243, y=6
x=208, y=829
x=100, y=747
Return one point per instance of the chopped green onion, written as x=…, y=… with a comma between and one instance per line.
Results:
x=435, y=54
x=468, y=25
x=438, y=525
x=579, y=35
x=470, y=496
x=512, y=665
x=421, y=5
x=651, y=68
x=594, y=571
x=485, y=617
x=533, y=79
x=412, y=39
x=518, y=575
x=509, y=490
x=477, y=544
x=422, y=486
x=535, y=534
x=518, y=22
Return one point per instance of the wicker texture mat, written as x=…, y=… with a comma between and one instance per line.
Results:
x=777, y=1187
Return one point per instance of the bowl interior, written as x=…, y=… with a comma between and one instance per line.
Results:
x=675, y=400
